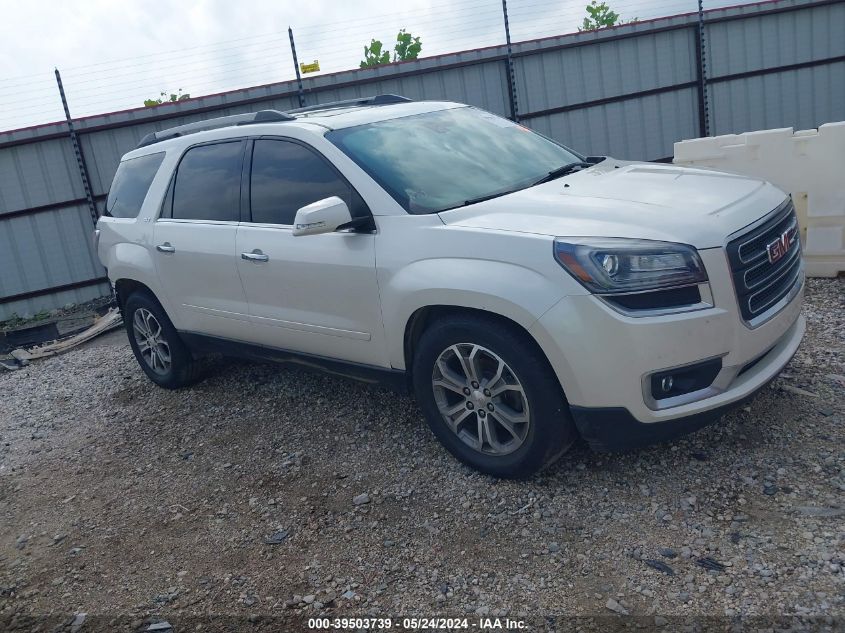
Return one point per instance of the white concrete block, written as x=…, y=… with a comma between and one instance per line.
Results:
x=809, y=164
x=824, y=240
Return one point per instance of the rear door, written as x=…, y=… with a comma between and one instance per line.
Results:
x=316, y=294
x=194, y=240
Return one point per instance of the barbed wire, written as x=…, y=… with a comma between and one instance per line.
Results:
x=265, y=58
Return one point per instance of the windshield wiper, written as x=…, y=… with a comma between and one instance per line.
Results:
x=563, y=170
x=555, y=173
x=489, y=196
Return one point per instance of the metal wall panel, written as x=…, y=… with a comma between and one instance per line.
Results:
x=560, y=78
x=768, y=41
x=606, y=69
x=800, y=99
x=38, y=174
x=45, y=303
x=630, y=129
x=46, y=250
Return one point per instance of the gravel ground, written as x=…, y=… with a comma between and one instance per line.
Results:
x=265, y=495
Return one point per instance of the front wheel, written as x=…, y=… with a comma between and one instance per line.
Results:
x=490, y=396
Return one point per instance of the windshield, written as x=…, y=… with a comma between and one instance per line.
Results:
x=444, y=159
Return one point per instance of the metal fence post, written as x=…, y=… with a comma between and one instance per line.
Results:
x=296, y=68
x=77, y=149
x=511, y=75
x=701, y=63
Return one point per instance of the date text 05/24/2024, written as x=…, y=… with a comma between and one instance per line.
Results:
x=417, y=624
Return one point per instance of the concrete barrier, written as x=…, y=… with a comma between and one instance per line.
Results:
x=809, y=164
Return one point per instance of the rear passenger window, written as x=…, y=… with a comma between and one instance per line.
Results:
x=287, y=176
x=208, y=183
x=130, y=185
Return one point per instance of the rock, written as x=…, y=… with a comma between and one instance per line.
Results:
x=710, y=564
x=276, y=537
x=812, y=511
x=309, y=598
x=348, y=595
x=361, y=499
x=160, y=626
x=482, y=611
x=78, y=621
x=659, y=620
x=839, y=379
x=615, y=606
x=668, y=552
x=21, y=541
x=798, y=391
x=554, y=547
x=659, y=565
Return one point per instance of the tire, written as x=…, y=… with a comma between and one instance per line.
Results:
x=141, y=309
x=537, y=413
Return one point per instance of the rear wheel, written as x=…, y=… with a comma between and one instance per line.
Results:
x=490, y=396
x=156, y=344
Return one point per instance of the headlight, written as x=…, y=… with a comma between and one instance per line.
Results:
x=617, y=265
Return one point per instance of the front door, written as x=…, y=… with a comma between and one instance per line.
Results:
x=194, y=241
x=316, y=294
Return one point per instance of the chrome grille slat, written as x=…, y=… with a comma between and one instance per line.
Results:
x=772, y=270
x=794, y=269
x=781, y=215
x=760, y=283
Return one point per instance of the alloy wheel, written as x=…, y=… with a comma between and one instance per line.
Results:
x=481, y=399
x=153, y=347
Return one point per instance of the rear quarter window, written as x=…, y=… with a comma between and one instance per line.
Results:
x=130, y=185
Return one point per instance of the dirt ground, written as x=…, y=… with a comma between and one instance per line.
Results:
x=230, y=505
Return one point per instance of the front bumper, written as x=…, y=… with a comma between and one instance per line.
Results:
x=615, y=429
x=603, y=358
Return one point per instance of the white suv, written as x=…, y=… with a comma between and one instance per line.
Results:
x=526, y=294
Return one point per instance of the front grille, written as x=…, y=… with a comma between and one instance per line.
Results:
x=766, y=262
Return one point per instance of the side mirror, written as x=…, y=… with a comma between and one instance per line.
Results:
x=323, y=216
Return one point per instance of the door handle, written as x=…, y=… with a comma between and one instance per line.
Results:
x=255, y=256
x=165, y=248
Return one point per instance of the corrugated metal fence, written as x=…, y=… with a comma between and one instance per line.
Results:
x=629, y=91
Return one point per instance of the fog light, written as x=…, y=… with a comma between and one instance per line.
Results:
x=676, y=382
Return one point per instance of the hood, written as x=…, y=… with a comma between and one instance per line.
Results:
x=650, y=201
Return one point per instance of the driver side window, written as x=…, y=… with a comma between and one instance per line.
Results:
x=286, y=176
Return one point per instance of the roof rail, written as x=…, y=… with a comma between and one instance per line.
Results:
x=263, y=116
x=360, y=101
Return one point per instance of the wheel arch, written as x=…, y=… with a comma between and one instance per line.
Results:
x=124, y=287
x=424, y=316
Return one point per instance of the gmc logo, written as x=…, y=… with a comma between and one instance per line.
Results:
x=780, y=246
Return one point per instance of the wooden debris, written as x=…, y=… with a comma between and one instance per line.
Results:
x=108, y=321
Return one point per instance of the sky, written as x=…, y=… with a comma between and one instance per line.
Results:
x=114, y=54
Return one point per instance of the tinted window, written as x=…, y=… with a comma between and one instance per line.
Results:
x=438, y=160
x=287, y=176
x=130, y=185
x=208, y=183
